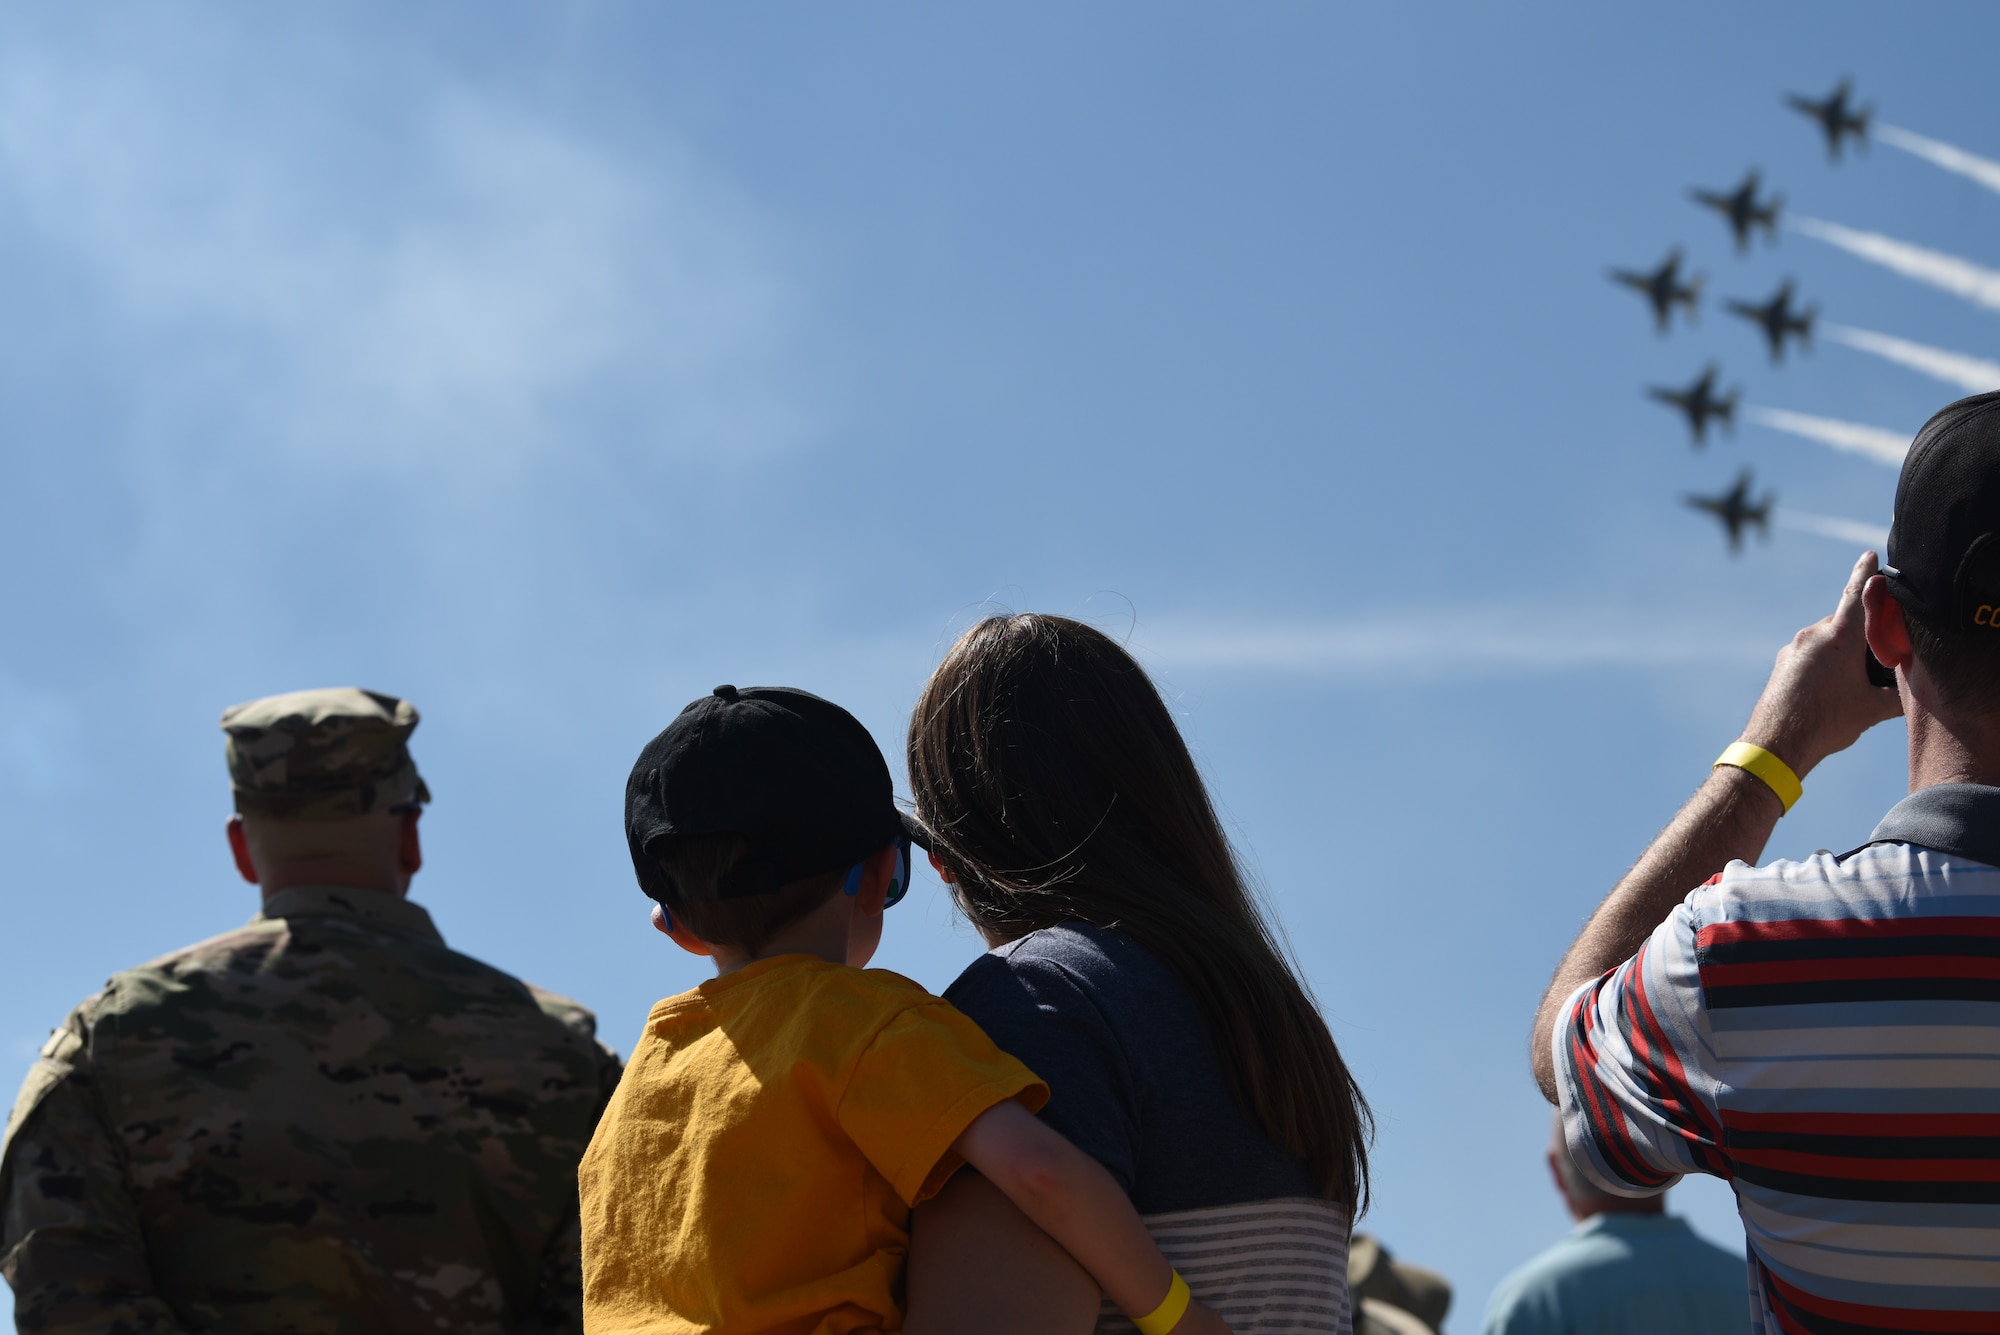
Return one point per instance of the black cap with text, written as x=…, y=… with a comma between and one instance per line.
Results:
x=1944, y=546
x=797, y=777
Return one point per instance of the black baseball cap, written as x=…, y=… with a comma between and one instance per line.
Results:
x=1944, y=544
x=796, y=776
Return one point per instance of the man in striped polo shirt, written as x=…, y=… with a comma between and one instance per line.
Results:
x=1825, y=1034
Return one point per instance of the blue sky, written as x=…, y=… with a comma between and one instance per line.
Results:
x=549, y=364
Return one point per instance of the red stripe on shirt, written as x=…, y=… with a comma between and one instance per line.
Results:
x=1834, y=929
x=1884, y=1318
x=1847, y=970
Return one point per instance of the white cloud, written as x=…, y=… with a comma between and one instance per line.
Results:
x=1446, y=641
x=465, y=296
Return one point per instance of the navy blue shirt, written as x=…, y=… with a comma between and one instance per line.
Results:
x=1131, y=1068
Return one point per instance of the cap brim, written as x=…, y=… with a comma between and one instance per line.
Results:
x=914, y=828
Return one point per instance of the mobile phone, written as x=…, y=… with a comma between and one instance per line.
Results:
x=1877, y=674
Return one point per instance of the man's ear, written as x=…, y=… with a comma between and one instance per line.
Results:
x=945, y=874
x=681, y=936
x=409, y=848
x=239, y=848
x=1888, y=636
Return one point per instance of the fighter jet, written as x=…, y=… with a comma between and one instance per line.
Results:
x=1741, y=208
x=1700, y=402
x=1734, y=509
x=1778, y=319
x=1836, y=119
x=1663, y=288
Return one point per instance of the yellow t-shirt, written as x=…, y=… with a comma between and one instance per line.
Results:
x=756, y=1168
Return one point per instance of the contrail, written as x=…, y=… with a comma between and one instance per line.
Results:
x=1877, y=443
x=1974, y=282
x=1983, y=170
x=1975, y=375
x=1826, y=526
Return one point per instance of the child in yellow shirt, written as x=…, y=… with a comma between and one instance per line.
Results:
x=756, y=1169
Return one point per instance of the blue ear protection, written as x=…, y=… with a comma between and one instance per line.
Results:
x=899, y=879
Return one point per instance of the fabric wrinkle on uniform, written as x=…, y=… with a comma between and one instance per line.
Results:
x=326, y=1121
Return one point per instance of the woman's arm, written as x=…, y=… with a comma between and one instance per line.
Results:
x=978, y=1266
x=1069, y=1196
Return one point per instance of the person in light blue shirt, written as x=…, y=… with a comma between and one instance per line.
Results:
x=1627, y=1268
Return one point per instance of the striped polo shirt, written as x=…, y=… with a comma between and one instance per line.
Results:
x=1824, y=1035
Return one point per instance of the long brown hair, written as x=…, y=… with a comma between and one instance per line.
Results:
x=1057, y=789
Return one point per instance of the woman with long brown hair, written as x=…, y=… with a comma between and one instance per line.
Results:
x=1132, y=969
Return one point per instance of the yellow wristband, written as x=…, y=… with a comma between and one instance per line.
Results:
x=1170, y=1311
x=1775, y=773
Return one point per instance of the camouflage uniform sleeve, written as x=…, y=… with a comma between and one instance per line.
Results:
x=561, y=1296
x=70, y=1243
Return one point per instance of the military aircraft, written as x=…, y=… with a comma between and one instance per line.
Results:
x=1741, y=208
x=1700, y=402
x=1778, y=319
x=1836, y=119
x=1663, y=288
x=1734, y=509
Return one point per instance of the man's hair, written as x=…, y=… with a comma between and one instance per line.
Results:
x=1965, y=664
x=688, y=870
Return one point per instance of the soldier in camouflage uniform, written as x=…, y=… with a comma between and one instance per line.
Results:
x=325, y=1121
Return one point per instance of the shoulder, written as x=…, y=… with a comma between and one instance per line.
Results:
x=1078, y=947
x=571, y=1015
x=1071, y=958
x=1873, y=881
x=331, y=959
x=1525, y=1302
x=164, y=978
x=1746, y=908
x=1534, y=1296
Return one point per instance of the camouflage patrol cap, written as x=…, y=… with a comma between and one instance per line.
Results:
x=322, y=755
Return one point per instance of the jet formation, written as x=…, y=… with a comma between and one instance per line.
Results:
x=1741, y=209
x=1663, y=288
x=1837, y=120
x=1735, y=511
x=1785, y=321
x=1778, y=320
x=1701, y=403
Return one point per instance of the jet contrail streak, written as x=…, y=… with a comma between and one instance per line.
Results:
x=1975, y=375
x=1826, y=526
x=1877, y=443
x=1983, y=170
x=1974, y=282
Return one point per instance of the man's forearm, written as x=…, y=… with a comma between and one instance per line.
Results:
x=1730, y=817
x=1817, y=701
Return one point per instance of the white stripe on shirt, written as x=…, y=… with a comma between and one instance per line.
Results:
x=1276, y=1267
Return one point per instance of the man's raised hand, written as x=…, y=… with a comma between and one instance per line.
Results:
x=1819, y=699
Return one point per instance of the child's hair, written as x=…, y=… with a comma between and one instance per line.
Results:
x=1056, y=787
x=686, y=873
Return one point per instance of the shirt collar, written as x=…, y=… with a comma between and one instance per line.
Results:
x=378, y=908
x=1629, y=1222
x=1962, y=819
